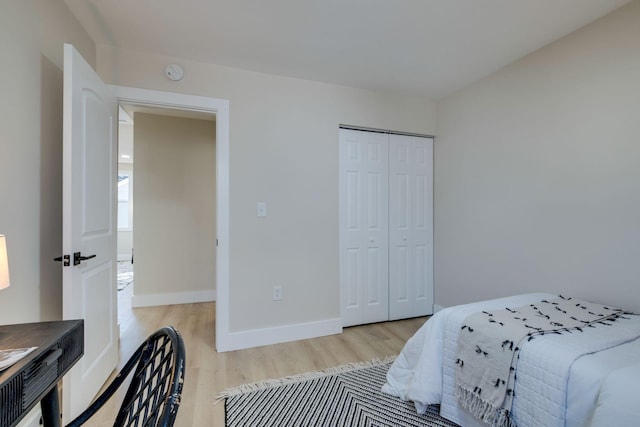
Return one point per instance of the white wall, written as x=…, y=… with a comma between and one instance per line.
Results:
x=32, y=33
x=537, y=173
x=175, y=212
x=283, y=151
x=125, y=245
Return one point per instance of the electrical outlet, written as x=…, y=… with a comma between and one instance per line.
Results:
x=277, y=293
x=261, y=209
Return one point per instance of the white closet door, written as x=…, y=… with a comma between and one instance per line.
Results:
x=364, y=232
x=410, y=226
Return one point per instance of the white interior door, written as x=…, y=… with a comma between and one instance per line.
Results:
x=89, y=226
x=364, y=233
x=410, y=226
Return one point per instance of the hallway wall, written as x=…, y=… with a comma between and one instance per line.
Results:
x=175, y=208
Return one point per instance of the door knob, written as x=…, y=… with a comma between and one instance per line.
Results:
x=78, y=258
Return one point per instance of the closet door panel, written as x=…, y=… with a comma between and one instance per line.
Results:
x=363, y=227
x=423, y=227
x=400, y=224
x=410, y=226
x=352, y=267
x=386, y=226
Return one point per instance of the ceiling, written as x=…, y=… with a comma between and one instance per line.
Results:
x=423, y=47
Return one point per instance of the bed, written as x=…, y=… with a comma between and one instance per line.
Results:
x=575, y=379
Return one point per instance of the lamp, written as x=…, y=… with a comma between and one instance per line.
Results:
x=4, y=263
x=11, y=355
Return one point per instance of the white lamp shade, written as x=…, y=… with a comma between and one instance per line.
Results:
x=4, y=264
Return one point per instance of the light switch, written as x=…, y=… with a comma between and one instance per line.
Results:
x=261, y=209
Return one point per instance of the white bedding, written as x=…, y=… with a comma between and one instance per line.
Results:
x=618, y=399
x=546, y=387
x=593, y=371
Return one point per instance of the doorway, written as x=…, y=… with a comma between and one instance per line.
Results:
x=168, y=161
x=125, y=255
x=219, y=108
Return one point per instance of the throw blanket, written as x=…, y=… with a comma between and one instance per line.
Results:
x=489, y=343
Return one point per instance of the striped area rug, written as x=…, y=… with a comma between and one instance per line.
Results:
x=344, y=396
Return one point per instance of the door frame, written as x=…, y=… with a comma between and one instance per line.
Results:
x=219, y=107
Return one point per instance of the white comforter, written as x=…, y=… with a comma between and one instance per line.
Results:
x=424, y=371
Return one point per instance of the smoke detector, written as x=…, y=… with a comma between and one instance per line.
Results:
x=174, y=72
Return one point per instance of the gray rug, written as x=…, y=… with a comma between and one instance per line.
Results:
x=344, y=396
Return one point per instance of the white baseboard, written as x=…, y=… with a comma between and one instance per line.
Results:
x=172, y=298
x=280, y=334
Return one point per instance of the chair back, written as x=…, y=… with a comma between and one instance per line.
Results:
x=153, y=396
x=154, y=392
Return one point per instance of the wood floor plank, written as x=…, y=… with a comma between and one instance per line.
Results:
x=209, y=373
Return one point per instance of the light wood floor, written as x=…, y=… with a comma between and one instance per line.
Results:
x=209, y=373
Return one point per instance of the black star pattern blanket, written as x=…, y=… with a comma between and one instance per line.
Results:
x=489, y=343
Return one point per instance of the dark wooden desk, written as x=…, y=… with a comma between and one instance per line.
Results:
x=35, y=378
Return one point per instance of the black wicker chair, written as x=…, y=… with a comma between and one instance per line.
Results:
x=153, y=396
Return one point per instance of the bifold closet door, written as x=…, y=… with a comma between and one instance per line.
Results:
x=410, y=226
x=364, y=222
